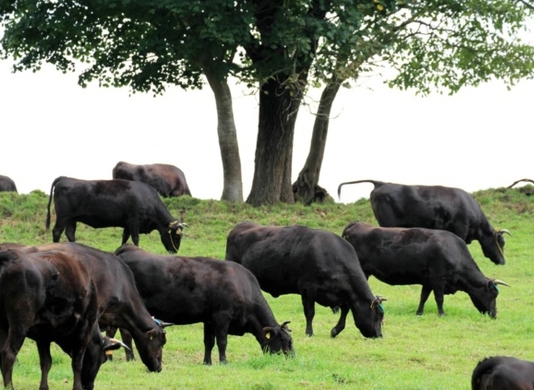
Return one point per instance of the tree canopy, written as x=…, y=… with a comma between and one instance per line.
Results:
x=280, y=48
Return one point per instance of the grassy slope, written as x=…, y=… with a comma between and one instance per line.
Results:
x=425, y=352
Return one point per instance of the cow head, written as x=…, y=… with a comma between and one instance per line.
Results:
x=493, y=245
x=150, y=345
x=370, y=317
x=279, y=339
x=485, y=297
x=173, y=237
x=96, y=355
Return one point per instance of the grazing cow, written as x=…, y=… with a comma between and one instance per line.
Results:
x=119, y=301
x=167, y=179
x=503, y=373
x=318, y=265
x=132, y=205
x=437, y=259
x=7, y=184
x=48, y=297
x=224, y=296
x=435, y=207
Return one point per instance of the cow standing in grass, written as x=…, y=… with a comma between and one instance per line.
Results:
x=132, y=205
x=49, y=297
x=435, y=207
x=318, y=265
x=224, y=296
x=437, y=259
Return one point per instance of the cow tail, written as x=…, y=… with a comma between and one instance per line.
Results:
x=374, y=182
x=47, y=223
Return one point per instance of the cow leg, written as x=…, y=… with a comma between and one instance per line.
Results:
x=342, y=321
x=425, y=293
x=127, y=340
x=125, y=235
x=439, y=297
x=77, y=353
x=45, y=360
x=8, y=354
x=135, y=237
x=57, y=230
x=70, y=231
x=309, y=312
x=209, y=342
x=222, y=342
x=134, y=231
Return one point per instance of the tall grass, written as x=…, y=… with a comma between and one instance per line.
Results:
x=427, y=352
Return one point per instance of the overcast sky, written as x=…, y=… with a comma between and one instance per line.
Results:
x=479, y=138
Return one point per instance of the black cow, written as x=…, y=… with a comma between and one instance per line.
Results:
x=435, y=207
x=7, y=184
x=318, y=265
x=48, y=297
x=503, y=373
x=437, y=259
x=119, y=301
x=132, y=205
x=224, y=296
x=167, y=179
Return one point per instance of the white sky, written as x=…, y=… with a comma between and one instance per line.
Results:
x=477, y=139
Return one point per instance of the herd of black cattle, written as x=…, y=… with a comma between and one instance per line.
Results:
x=69, y=293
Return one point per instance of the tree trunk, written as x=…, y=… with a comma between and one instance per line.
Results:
x=306, y=188
x=279, y=107
x=233, y=182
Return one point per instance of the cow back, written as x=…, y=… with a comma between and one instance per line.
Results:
x=400, y=255
x=7, y=184
x=285, y=258
x=503, y=373
x=181, y=289
x=167, y=179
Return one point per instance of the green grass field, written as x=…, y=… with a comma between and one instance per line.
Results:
x=427, y=352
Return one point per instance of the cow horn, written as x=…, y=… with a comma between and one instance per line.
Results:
x=505, y=231
x=116, y=341
x=497, y=281
x=161, y=323
x=284, y=325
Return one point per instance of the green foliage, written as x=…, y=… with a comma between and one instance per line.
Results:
x=426, y=352
x=149, y=45
x=459, y=44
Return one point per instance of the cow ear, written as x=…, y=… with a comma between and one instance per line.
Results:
x=151, y=334
x=268, y=330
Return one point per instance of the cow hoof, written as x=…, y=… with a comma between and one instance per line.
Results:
x=333, y=332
